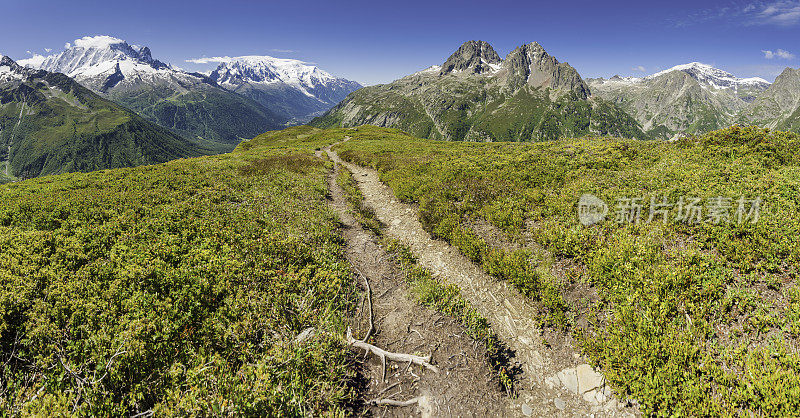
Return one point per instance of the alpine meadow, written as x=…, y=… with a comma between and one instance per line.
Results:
x=231, y=225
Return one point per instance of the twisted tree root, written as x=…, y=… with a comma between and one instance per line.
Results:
x=383, y=354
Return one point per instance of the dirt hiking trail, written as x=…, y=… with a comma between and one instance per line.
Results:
x=555, y=381
x=463, y=386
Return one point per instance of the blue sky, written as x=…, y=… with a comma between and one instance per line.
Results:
x=374, y=42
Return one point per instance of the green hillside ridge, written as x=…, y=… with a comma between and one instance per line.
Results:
x=50, y=124
x=777, y=107
x=688, y=319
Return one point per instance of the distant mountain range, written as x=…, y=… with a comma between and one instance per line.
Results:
x=51, y=124
x=190, y=105
x=530, y=95
x=70, y=111
x=204, y=109
x=293, y=89
x=689, y=98
x=476, y=95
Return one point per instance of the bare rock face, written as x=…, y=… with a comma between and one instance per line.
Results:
x=474, y=57
x=775, y=105
x=477, y=96
x=531, y=65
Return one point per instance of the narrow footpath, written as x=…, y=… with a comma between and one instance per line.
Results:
x=556, y=380
x=464, y=385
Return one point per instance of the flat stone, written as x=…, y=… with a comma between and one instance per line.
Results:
x=601, y=397
x=590, y=397
x=588, y=379
x=569, y=379
x=525, y=340
x=560, y=404
x=526, y=410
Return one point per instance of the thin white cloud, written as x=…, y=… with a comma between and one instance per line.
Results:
x=773, y=13
x=781, y=13
x=213, y=60
x=639, y=68
x=780, y=53
x=209, y=60
x=67, y=45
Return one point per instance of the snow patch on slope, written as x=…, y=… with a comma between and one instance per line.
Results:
x=714, y=77
x=262, y=69
x=433, y=69
x=93, y=56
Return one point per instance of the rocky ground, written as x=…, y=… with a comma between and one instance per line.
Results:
x=464, y=385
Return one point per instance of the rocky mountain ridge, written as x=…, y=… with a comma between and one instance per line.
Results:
x=688, y=98
x=475, y=95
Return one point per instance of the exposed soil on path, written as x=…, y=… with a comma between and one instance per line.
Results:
x=556, y=381
x=464, y=385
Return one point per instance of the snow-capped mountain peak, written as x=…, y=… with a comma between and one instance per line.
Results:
x=301, y=90
x=93, y=56
x=714, y=77
x=262, y=69
x=10, y=70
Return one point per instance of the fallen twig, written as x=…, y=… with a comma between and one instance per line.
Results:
x=392, y=402
x=383, y=354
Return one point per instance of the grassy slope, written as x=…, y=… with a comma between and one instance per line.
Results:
x=69, y=128
x=177, y=287
x=688, y=319
x=474, y=109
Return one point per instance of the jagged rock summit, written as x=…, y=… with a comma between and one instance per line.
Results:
x=528, y=64
x=531, y=65
x=94, y=58
x=475, y=95
x=474, y=57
